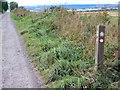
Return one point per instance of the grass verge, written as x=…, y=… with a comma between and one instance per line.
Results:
x=61, y=44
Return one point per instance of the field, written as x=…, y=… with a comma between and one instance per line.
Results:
x=111, y=13
x=61, y=45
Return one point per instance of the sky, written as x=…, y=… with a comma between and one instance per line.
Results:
x=56, y=2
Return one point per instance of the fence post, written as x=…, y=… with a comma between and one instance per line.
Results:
x=99, y=54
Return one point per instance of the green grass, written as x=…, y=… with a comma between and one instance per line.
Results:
x=60, y=46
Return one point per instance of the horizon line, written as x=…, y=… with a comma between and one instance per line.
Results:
x=67, y=4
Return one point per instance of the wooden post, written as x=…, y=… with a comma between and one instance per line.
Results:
x=99, y=54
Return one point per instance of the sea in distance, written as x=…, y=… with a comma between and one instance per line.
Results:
x=74, y=6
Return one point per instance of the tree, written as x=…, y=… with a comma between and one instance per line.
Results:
x=3, y=6
x=13, y=5
x=0, y=6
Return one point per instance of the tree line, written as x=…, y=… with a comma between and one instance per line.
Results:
x=4, y=6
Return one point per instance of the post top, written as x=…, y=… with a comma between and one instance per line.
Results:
x=101, y=25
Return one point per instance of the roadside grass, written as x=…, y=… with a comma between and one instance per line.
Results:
x=61, y=44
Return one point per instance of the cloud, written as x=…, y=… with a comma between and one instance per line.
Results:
x=49, y=2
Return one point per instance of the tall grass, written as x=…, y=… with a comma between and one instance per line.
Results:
x=62, y=46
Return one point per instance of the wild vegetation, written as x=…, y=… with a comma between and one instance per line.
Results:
x=13, y=5
x=61, y=44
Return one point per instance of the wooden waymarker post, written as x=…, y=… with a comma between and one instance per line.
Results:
x=99, y=54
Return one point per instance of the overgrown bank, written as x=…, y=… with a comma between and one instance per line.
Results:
x=62, y=46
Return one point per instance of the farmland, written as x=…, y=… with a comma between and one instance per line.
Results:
x=61, y=45
x=111, y=13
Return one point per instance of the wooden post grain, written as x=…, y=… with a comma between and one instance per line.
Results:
x=100, y=40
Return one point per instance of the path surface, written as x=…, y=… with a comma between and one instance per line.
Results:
x=17, y=72
x=0, y=52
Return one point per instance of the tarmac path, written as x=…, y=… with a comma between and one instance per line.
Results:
x=16, y=70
